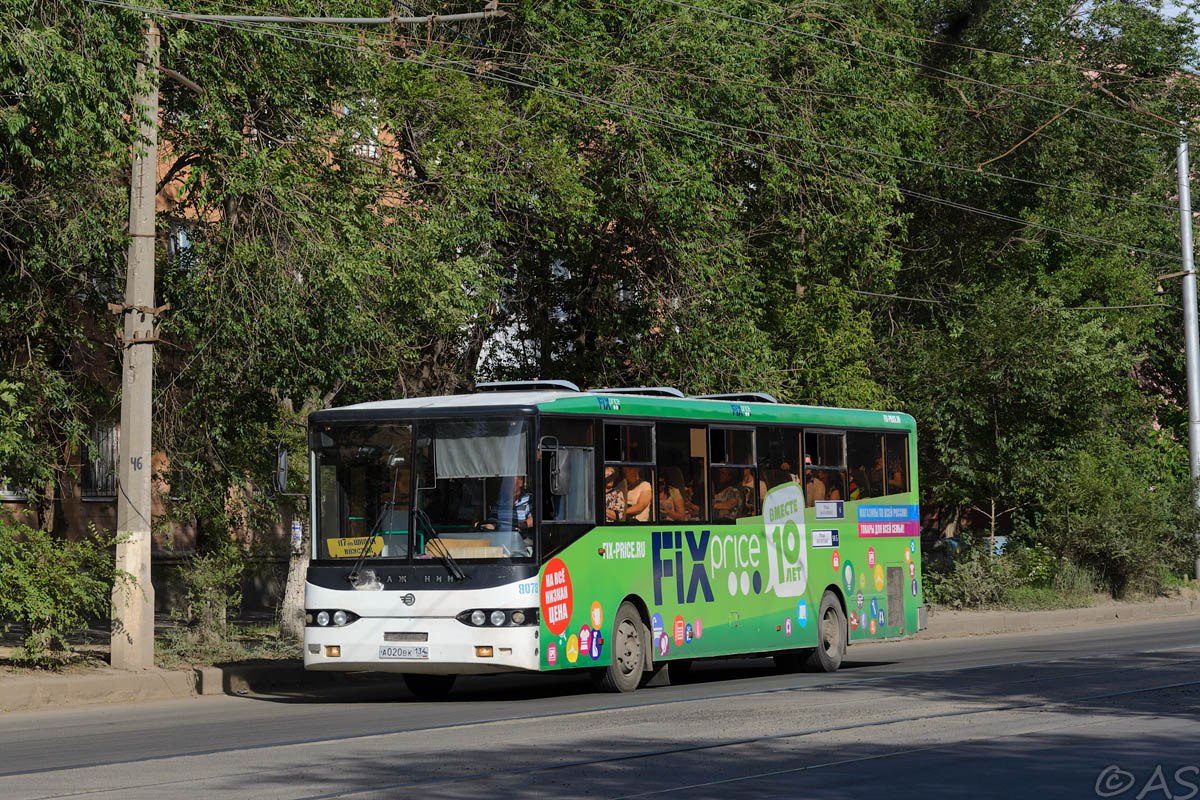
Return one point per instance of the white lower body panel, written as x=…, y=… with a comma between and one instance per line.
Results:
x=386, y=639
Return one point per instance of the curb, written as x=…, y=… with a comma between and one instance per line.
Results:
x=36, y=692
x=946, y=624
x=284, y=675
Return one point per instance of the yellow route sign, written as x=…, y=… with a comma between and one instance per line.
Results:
x=352, y=546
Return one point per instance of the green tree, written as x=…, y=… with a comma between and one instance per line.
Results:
x=65, y=74
x=1001, y=389
x=711, y=197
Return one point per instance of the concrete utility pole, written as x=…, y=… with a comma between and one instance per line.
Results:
x=133, y=598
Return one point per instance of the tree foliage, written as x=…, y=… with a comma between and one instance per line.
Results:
x=51, y=589
x=904, y=203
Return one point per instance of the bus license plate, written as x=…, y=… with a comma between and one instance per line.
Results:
x=403, y=651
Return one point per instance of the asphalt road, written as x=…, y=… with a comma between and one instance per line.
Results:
x=1111, y=711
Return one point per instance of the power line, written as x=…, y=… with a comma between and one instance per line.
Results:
x=602, y=65
x=910, y=62
x=911, y=160
x=911, y=37
x=908, y=192
x=637, y=110
x=779, y=87
x=641, y=111
x=725, y=80
x=972, y=305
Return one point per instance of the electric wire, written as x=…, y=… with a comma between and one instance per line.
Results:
x=939, y=43
x=962, y=303
x=907, y=159
x=640, y=112
x=911, y=62
x=349, y=36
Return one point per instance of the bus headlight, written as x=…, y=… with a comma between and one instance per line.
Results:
x=498, y=617
x=325, y=617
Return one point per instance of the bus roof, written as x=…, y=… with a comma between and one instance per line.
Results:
x=614, y=405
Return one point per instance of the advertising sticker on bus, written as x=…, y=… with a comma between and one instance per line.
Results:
x=556, y=596
x=787, y=550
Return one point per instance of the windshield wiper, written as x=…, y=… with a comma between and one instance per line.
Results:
x=384, y=512
x=442, y=550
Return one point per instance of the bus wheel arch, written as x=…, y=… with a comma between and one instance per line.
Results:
x=836, y=591
x=647, y=644
x=833, y=632
x=628, y=648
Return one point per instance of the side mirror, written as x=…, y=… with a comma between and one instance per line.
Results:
x=559, y=465
x=281, y=469
x=560, y=472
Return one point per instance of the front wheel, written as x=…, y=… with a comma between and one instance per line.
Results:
x=429, y=687
x=628, y=659
x=831, y=637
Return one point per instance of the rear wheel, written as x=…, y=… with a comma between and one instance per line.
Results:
x=429, y=687
x=628, y=656
x=831, y=637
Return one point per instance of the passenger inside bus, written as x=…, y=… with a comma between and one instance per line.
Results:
x=638, y=496
x=689, y=496
x=833, y=484
x=672, y=503
x=514, y=507
x=750, y=486
x=727, y=496
x=814, y=485
x=614, y=496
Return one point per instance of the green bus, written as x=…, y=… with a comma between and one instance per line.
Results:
x=534, y=526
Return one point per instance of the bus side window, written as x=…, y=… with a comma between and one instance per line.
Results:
x=896, y=461
x=864, y=454
x=681, y=461
x=630, y=491
x=778, y=457
x=567, y=469
x=574, y=481
x=568, y=498
x=824, y=467
x=733, y=474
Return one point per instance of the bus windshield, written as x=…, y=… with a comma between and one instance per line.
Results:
x=424, y=491
x=363, y=490
x=472, y=489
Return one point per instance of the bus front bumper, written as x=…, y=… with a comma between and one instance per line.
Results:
x=430, y=645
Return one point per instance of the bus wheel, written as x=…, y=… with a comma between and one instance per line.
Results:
x=628, y=660
x=831, y=637
x=429, y=687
